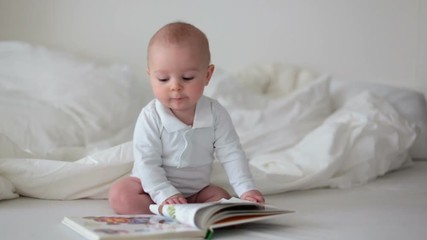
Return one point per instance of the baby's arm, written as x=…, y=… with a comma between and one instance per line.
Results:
x=253, y=196
x=232, y=157
x=147, y=149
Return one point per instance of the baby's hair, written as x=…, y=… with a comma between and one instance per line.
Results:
x=180, y=33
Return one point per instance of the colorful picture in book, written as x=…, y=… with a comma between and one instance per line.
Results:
x=121, y=220
x=121, y=225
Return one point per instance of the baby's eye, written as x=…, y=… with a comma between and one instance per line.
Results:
x=187, y=78
x=163, y=79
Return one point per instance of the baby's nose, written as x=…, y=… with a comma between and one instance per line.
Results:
x=175, y=85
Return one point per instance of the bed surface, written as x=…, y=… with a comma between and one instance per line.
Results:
x=391, y=207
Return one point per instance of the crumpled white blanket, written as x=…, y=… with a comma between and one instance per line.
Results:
x=360, y=142
x=293, y=141
x=298, y=142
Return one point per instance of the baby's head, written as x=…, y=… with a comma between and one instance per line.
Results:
x=179, y=66
x=180, y=34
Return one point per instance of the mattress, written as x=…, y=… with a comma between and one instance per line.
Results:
x=391, y=207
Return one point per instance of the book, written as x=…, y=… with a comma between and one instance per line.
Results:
x=130, y=227
x=193, y=220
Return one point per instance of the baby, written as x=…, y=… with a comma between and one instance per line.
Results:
x=179, y=133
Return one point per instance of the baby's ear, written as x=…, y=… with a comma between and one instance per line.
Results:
x=210, y=72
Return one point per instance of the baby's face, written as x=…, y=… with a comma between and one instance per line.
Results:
x=178, y=75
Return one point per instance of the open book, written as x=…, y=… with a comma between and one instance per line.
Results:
x=196, y=220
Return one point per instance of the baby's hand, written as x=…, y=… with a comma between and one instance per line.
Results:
x=176, y=199
x=253, y=196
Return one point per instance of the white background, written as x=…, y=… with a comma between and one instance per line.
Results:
x=355, y=40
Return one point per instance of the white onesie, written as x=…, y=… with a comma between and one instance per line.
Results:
x=172, y=157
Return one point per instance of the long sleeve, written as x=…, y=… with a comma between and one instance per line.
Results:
x=230, y=153
x=147, y=157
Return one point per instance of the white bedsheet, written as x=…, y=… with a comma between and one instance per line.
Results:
x=393, y=207
x=293, y=142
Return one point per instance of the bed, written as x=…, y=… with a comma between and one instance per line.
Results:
x=383, y=209
x=349, y=158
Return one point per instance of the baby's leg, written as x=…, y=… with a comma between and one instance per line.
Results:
x=210, y=193
x=126, y=196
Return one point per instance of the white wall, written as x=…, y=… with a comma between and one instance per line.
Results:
x=422, y=44
x=374, y=40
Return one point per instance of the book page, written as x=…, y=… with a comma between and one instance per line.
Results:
x=222, y=213
x=185, y=213
x=200, y=214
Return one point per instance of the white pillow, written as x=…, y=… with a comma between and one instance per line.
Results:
x=408, y=103
x=284, y=121
x=274, y=80
x=277, y=126
x=58, y=106
x=267, y=123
